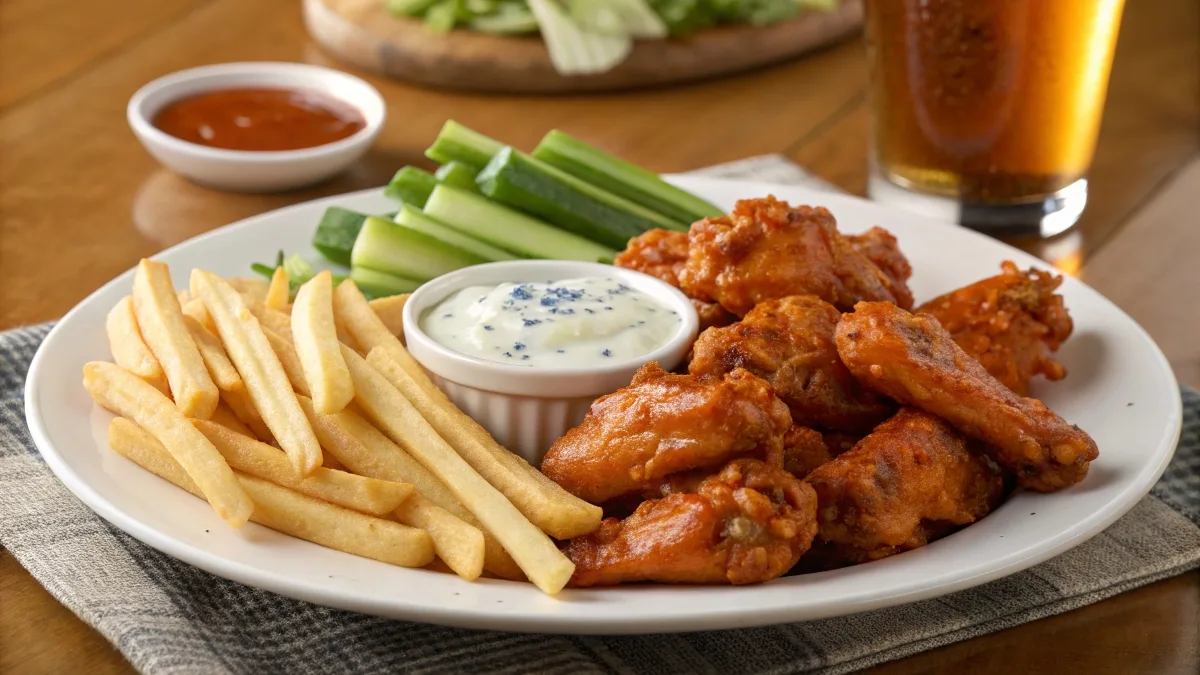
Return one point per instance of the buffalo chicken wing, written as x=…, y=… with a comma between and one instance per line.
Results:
x=664, y=423
x=1010, y=323
x=789, y=343
x=746, y=523
x=912, y=359
x=910, y=480
x=662, y=254
x=767, y=249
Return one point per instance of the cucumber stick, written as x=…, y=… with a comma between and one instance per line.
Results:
x=375, y=284
x=413, y=218
x=411, y=186
x=457, y=174
x=456, y=143
x=517, y=233
x=621, y=178
x=336, y=233
x=525, y=183
x=384, y=246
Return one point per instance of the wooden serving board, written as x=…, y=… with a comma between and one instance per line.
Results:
x=363, y=34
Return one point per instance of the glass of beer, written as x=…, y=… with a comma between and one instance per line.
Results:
x=985, y=112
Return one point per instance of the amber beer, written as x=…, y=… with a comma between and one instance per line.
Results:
x=988, y=102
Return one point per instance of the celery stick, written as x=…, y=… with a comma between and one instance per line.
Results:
x=621, y=178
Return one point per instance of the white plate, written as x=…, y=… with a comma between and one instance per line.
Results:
x=1120, y=390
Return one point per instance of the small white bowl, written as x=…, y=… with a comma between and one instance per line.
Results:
x=527, y=408
x=253, y=171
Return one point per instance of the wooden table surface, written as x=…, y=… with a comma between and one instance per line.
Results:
x=80, y=202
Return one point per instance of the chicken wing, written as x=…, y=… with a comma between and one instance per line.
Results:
x=912, y=359
x=664, y=423
x=662, y=254
x=1010, y=322
x=789, y=343
x=766, y=249
x=747, y=523
x=912, y=479
x=804, y=450
x=881, y=248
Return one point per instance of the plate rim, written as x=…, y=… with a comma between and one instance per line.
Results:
x=528, y=619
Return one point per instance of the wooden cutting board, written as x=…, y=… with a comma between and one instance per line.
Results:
x=362, y=33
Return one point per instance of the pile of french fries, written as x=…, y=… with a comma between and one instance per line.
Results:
x=309, y=416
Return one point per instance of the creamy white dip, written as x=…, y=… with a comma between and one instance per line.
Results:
x=574, y=322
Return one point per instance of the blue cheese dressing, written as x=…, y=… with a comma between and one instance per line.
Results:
x=574, y=322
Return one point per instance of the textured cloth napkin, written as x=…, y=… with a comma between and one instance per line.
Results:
x=169, y=617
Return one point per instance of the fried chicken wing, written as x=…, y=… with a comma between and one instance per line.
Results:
x=912, y=359
x=804, y=450
x=767, y=249
x=747, y=523
x=789, y=343
x=881, y=248
x=912, y=479
x=662, y=254
x=1010, y=322
x=664, y=423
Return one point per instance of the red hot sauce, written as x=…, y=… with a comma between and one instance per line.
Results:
x=259, y=119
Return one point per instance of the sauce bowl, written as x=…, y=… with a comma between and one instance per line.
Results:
x=255, y=171
x=527, y=408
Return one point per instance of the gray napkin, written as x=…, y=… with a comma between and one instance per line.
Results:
x=169, y=617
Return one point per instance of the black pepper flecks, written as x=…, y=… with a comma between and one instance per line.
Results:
x=518, y=346
x=488, y=326
x=606, y=352
x=525, y=357
x=532, y=322
x=508, y=354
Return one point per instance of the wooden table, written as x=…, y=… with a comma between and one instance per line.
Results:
x=80, y=202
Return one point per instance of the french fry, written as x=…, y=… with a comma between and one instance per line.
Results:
x=226, y=418
x=241, y=405
x=352, y=309
x=369, y=495
x=344, y=335
x=122, y=392
x=390, y=311
x=534, y=552
x=220, y=369
x=331, y=462
x=161, y=321
x=285, y=510
x=316, y=342
x=336, y=527
x=195, y=309
x=128, y=348
x=233, y=389
x=256, y=362
x=272, y=318
x=251, y=287
x=184, y=296
x=278, y=292
x=556, y=511
x=384, y=458
x=288, y=358
x=458, y=543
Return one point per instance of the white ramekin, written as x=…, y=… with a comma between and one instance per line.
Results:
x=527, y=408
x=252, y=171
